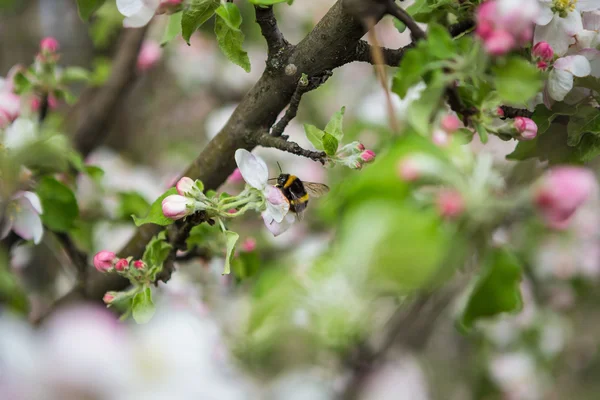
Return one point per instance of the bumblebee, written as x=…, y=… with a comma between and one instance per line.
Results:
x=298, y=192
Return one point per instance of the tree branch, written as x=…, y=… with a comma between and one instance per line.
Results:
x=267, y=140
x=392, y=57
x=396, y=11
x=93, y=121
x=511, y=112
x=276, y=43
x=325, y=48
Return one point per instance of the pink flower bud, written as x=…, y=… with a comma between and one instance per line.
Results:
x=561, y=191
x=249, y=245
x=500, y=112
x=149, y=55
x=450, y=203
x=526, y=128
x=367, y=156
x=543, y=50
x=176, y=206
x=360, y=147
x=122, y=265
x=139, y=264
x=185, y=185
x=104, y=260
x=49, y=45
x=236, y=176
x=542, y=65
x=408, y=170
x=450, y=123
x=108, y=298
x=499, y=42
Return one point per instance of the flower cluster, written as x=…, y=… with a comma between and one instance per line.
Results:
x=353, y=155
x=506, y=24
x=139, y=12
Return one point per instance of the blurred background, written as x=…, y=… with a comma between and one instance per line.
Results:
x=297, y=318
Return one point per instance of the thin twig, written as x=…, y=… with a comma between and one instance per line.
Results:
x=396, y=11
x=267, y=140
x=511, y=112
x=391, y=57
x=276, y=43
x=292, y=111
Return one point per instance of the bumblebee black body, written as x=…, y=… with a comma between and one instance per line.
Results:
x=293, y=189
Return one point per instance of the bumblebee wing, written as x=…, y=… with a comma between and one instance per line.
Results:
x=272, y=180
x=298, y=205
x=315, y=189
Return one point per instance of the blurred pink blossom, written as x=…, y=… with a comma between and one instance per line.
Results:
x=150, y=54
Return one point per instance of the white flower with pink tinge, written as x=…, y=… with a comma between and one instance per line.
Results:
x=254, y=170
x=560, y=21
x=560, y=79
x=139, y=12
x=23, y=217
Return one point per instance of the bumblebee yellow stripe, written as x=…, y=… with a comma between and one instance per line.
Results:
x=301, y=200
x=289, y=181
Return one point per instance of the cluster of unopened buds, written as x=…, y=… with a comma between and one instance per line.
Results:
x=448, y=125
x=519, y=128
x=543, y=55
x=504, y=25
x=353, y=155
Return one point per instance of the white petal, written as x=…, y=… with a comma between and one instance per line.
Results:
x=253, y=169
x=34, y=200
x=577, y=65
x=140, y=19
x=278, y=228
x=130, y=7
x=591, y=21
x=554, y=34
x=27, y=222
x=572, y=23
x=278, y=209
x=587, y=5
x=545, y=16
x=21, y=132
x=560, y=83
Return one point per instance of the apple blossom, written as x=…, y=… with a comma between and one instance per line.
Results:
x=23, y=217
x=526, y=128
x=249, y=245
x=149, y=55
x=139, y=264
x=185, y=185
x=450, y=123
x=440, y=138
x=408, y=170
x=561, y=191
x=256, y=174
x=108, y=297
x=559, y=21
x=560, y=79
x=367, y=156
x=450, y=203
x=104, y=260
x=235, y=177
x=176, y=206
x=139, y=12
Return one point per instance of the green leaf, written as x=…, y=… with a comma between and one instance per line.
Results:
x=131, y=203
x=269, y=2
x=410, y=71
x=173, y=28
x=59, y=206
x=401, y=26
x=586, y=120
x=143, y=307
x=231, y=239
x=334, y=126
x=231, y=15
x=230, y=39
x=75, y=74
x=496, y=291
x=482, y=132
x=330, y=144
x=195, y=15
x=22, y=83
x=550, y=146
x=315, y=136
x=440, y=42
x=87, y=8
x=94, y=172
x=420, y=111
x=157, y=251
x=155, y=215
x=517, y=81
